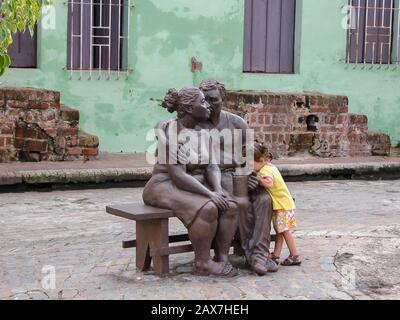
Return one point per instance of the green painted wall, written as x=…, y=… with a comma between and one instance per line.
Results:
x=165, y=35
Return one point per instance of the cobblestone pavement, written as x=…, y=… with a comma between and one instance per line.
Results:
x=349, y=237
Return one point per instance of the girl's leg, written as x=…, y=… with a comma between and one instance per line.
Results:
x=290, y=243
x=278, y=244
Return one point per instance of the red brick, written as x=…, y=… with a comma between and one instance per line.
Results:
x=279, y=109
x=69, y=114
x=319, y=110
x=252, y=119
x=313, y=101
x=74, y=151
x=51, y=132
x=277, y=119
x=324, y=129
x=51, y=96
x=26, y=133
x=6, y=130
x=73, y=142
x=36, y=145
x=281, y=138
x=17, y=104
x=9, y=94
x=278, y=100
x=90, y=151
x=48, y=116
x=334, y=109
x=342, y=119
x=268, y=138
x=275, y=129
x=29, y=117
x=37, y=104
x=61, y=142
x=19, y=143
x=358, y=119
x=267, y=99
x=65, y=132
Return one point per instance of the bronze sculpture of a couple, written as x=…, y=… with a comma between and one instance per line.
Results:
x=202, y=189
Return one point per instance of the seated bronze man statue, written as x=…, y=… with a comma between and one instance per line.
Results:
x=255, y=221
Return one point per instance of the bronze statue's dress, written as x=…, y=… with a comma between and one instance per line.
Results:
x=160, y=191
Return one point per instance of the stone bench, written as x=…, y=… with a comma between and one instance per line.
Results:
x=152, y=235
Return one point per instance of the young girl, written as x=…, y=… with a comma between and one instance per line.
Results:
x=283, y=217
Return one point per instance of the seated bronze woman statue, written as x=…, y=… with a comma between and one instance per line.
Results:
x=193, y=190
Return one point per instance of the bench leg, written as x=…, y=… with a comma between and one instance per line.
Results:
x=152, y=235
x=143, y=258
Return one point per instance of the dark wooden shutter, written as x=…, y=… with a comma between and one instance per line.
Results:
x=269, y=36
x=371, y=38
x=23, y=50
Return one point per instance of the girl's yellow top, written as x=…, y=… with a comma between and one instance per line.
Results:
x=281, y=197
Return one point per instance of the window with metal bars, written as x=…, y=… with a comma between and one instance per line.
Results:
x=269, y=33
x=373, y=32
x=98, y=35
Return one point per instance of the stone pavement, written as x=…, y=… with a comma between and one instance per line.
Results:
x=349, y=237
x=131, y=167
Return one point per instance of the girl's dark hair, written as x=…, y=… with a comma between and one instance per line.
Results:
x=261, y=151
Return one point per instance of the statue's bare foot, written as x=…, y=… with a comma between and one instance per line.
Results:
x=212, y=268
x=221, y=258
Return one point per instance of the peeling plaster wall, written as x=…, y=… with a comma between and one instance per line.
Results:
x=165, y=35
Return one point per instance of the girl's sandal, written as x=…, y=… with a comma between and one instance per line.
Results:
x=291, y=261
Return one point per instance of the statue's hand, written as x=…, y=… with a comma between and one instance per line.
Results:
x=251, y=244
x=183, y=154
x=220, y=201
x=253, y=182
x=220, y=192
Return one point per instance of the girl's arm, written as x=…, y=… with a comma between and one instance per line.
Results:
x=266, y=181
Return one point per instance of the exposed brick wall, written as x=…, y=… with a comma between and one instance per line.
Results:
x=35, y=127
x=317, y=124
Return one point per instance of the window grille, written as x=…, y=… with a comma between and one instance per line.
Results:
x=373, y=32
x=98, y=36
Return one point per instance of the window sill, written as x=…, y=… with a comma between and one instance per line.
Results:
x=96, y=74
x=371, y=66
x=265, y=74
x=24, y=68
